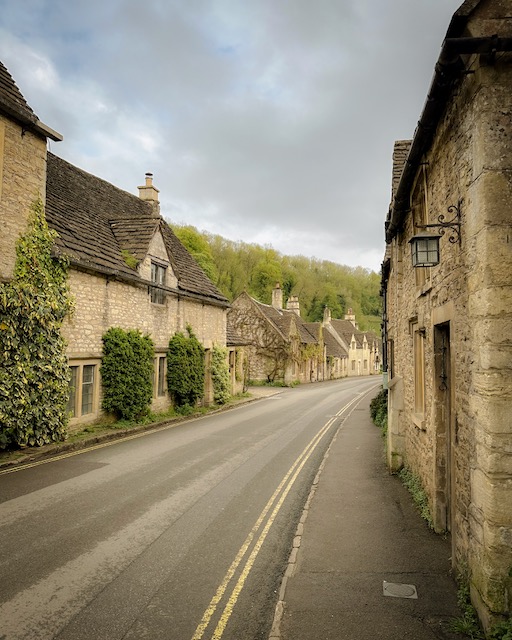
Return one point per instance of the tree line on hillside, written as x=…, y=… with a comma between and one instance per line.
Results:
x=238, y=266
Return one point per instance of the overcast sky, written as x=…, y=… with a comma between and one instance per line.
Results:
x=267, y=121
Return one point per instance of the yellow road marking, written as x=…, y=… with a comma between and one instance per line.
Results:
x=295, y=469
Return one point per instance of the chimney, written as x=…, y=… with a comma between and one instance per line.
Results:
x=149, y=193
x=277, y=296
x=351, y=317
x=293, y=304
x=327, y=316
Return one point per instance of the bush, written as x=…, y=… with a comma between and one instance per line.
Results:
x=379, y=410
x=34, y=372
x=185, y=369
x=127, y=373
x=220, y=375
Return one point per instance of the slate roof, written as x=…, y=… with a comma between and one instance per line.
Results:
x=97, y=222
x=11, y=100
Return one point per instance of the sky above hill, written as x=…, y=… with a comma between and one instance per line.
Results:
x=266, y=121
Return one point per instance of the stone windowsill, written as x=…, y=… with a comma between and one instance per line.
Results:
x=418, y=419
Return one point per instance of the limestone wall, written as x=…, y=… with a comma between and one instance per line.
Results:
x=101, y=303
x=22, y=181
x=465, y=465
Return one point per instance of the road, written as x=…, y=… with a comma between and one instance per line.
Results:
x=182, y=533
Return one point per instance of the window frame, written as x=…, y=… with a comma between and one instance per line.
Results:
x=76, y=397
x=158, y=278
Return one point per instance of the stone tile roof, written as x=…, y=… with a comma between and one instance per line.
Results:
x=333, y=347
x=283, y=319
x=233, y=339
x=345, y=329
x=400, y=153
x=11, y=100
x=97, y=222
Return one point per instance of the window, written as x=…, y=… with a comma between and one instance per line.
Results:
x=83, y=396
x=160, y=370
x=72, y=391
x=87, y=388
x=158, y=278
x=353, y=365
x=419, y=370
x=366, y=364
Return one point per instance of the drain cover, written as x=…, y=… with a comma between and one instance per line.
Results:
x=398, y=590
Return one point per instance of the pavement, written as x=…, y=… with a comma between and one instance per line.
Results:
x=362, y=550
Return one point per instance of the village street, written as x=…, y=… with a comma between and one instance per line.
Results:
x=183, y=533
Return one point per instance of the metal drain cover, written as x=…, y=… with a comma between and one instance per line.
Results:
x=398, y=590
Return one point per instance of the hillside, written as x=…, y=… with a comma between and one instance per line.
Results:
x=238, y=266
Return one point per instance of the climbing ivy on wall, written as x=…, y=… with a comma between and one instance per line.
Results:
x=127, y=372
x=220, y=375
x=34, y=373
x=185, y=369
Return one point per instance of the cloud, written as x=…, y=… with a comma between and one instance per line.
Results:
x=259, y=120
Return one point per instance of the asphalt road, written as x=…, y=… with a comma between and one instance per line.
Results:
x=181, y=534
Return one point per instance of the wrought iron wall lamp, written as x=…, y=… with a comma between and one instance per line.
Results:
x=425, y=246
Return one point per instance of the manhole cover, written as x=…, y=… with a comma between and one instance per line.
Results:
x=398, y=590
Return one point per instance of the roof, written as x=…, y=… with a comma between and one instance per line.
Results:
x=11, y=99
x=15, y=106
x=400, y=153
x=99, y=225
x=449, y=70
x=333, y=347
x=283, y=319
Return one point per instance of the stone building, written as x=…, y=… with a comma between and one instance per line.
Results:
x=127, y=268
x=280, y=346
x=448, y=320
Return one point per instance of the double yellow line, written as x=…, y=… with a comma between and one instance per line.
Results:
x=275, y=501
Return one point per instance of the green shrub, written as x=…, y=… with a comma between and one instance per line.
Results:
x=127, y=373
x=185, y=369
x=34, y=372
x=379, y=410
x=502, y=630
x=220, y=375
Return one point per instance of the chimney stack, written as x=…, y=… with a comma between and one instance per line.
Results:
x=293, y=304
x=351, y=317
x=327, y=316
x=149, y=193
x=277, y=296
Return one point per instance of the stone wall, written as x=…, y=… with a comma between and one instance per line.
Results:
x=22, y=181
x=101, y=303
x=461, y=444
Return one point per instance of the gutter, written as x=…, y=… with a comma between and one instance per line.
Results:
x=448, y=70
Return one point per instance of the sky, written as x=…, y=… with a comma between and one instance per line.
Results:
x=264, y=121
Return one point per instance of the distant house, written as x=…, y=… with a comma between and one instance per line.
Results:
x=447, y=284
x=363, y=347
x=280, y=346
x=127, y=268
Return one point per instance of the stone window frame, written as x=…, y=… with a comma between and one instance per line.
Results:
x=160, y=375
x=158, y=277
x=76, y=399
x=418, y=334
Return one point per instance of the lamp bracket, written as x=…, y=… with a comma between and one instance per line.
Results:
x=453, y=224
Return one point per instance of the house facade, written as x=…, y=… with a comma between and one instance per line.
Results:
x=127, y=268
x=282, y=346
x=448, y=320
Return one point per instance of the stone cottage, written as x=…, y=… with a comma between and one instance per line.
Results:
x=127, y=268
x=279, y=345
x=447, y=285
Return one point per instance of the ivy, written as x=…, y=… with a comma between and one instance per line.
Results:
x=220, y=375
x=185, y=369
x=127, y=373
x=34, y=373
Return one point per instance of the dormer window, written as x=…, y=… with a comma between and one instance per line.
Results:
x=158, y=278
